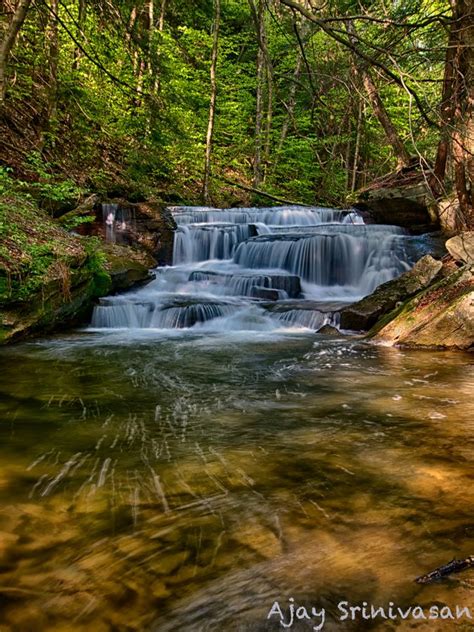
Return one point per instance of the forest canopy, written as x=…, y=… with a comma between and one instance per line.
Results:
x=190, y=99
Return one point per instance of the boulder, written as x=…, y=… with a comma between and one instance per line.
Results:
x=86, y=209
x=328, y=330
x=461, y=247
x=362, y=315
x=128, y=267
x=449, y=213
x=441, y=316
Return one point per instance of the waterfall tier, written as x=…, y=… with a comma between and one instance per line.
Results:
x=272, y=216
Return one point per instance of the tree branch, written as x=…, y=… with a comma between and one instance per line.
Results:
x=348, y=44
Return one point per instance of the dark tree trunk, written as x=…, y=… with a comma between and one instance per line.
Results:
x=81, y=16
x=53, y=62
x=457, y=112
x=463, y=133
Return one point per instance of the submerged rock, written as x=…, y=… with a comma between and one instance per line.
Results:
x=362, y=315
x=328, y=330
x=461, y=247
x=441, y=316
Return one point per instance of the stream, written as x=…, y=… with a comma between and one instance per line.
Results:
x=199, y=452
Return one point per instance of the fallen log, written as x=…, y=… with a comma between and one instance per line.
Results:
x=455, y=566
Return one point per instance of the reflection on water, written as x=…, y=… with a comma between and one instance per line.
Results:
x=188, y=482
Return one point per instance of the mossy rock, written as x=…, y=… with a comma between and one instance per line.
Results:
x=50, y=279
x=128, y=267
x=441, y=316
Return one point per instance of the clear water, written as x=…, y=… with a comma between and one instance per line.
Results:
x=186, y=481
x=199, y=453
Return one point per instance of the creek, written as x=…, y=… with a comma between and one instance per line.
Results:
x=198, y=452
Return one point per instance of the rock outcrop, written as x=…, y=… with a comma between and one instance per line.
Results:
x=147, y=226
x=361, y=316
x=406, y=206
x=461, y=247
x=127, y=267
x=49, y=278
x=441, y=316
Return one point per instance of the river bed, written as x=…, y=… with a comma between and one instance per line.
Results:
x=187, y=481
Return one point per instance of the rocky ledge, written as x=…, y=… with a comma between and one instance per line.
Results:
x=50, y=277
x=402, y=198
x=145, y=226
x=442, y=316
x=361, y=316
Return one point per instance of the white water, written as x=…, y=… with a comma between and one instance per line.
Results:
x=260, y=269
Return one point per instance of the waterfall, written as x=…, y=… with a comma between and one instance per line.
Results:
x=118, y=222
x=311, y=319
x=361, y=260
x=209, y=241
x=243, y=285
x=273, y=269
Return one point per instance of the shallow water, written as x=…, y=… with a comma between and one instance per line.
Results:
x=185, y=481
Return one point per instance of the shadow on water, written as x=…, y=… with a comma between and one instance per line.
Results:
x=188, y=483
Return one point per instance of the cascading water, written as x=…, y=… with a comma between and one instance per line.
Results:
x=260, y=269
x=118, y=222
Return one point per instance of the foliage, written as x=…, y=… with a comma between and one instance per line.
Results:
x=35, y=253
x=131, y=97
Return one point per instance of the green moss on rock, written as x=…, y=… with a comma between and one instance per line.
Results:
x=49, y=278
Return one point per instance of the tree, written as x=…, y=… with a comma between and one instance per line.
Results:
x=8, y=42
x=362, y=69
x=212, y=102
x=463, y=98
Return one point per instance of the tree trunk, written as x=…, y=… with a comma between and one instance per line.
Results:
x=9, y=41
x=151, y=30
x=258, y=14
x=212, y=104
x=290, y=105
x=355, y=164
x=447, y=111
x=269, y=93
x=53, y=62
x=463, y=133
x=403, y=158
x=161, y=23
x=257, y=166
x=161, y=28
x=81, y=16
x=381, y=113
